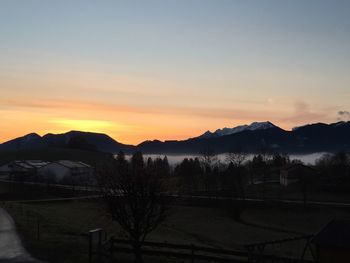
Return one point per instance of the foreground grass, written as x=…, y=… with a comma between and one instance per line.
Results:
x=56, y=232
x=63, y=227
x=294, y=192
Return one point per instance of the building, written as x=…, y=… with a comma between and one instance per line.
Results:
x=22, y=169
x=333, y=242
x=5, y=170
x=66, y=171
x=63, y=171
x=295, y=172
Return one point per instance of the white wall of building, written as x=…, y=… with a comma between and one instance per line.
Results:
x=56, y=170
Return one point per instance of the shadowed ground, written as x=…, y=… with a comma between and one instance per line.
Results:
x=11, y=249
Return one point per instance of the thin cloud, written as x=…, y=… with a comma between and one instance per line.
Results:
x=303, y=113
x=133, y=114
x=204, y=112
x=343, y=115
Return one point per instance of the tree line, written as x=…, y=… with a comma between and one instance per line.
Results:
x=137, y=198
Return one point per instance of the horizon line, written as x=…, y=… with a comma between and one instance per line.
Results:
x=133, y=144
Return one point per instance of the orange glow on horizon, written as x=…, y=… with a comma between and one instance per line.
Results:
x=123, y=133
x=134, y=123
x=99, y=67
x=83, y=125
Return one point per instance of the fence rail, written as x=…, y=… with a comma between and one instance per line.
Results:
x=192, y=252
x=106, y=248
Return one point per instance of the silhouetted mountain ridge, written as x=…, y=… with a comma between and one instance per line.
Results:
x=31, y=140
x=317, y=137
x=72, y=139
x=227, y=131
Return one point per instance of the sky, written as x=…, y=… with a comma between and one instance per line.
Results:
x=171, y=69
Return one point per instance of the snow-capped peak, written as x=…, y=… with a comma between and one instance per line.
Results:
x=207, y=134
x=260, y=126
x=227, y=131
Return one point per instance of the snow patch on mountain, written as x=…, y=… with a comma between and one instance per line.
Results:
x=227, y=131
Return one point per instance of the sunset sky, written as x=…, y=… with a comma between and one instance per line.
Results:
x=164, y=69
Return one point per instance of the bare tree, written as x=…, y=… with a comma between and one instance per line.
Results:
x=235, y=159
x=236, y=156
x=208, y=159
x=134, y=198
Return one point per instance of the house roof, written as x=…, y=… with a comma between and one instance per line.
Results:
x=334, y=234
x=29, y=164
x=22, y=164
x=72, y=164
x=36, y=163
x=298, y=166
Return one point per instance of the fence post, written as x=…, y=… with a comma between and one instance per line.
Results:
x=99, y=246
x=98, y=251
x=111, y=247
x=192, y=253
x=90, y=247
x=38, y=228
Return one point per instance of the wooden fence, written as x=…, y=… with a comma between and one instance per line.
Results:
x=256, y=251
x=108, y=248
x=191, y=252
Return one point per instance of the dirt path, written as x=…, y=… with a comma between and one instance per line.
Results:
x=11, y=248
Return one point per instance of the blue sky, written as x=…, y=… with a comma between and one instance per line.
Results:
x=171, y=69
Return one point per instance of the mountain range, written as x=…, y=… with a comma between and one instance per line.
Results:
x=227, y=131
x=317, y=137
x=73, y=139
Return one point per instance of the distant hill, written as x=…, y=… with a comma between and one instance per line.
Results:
x=28, y=141
x=318, y=137
x=85, y=140
x=73, y=139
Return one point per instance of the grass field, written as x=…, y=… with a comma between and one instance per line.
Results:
x=23, y=191
x=64, y=225
x=294, y=192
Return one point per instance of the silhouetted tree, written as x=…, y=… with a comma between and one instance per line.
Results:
x=189, y=172
x=236, y=169
x=161, y=166
x=134, y=198
x=165, y=167
x=121, y=163
x=279, y=160
x=208, y=160
x=256, y=167
x=236, y=156
x=335, y=170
